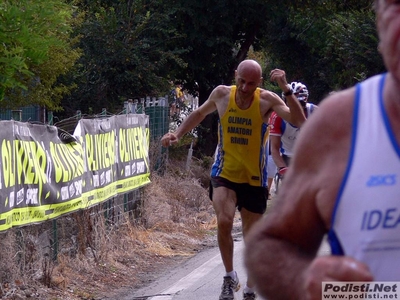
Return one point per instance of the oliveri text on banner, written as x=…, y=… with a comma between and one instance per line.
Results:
x=43, y=177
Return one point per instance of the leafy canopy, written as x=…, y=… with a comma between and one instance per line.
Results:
x=34, y=35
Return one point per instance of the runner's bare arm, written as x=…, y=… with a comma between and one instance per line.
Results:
x=195, y=117
x=276, y=156
x=293, y=112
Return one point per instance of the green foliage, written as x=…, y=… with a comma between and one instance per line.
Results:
x=33, y=33
x=218, y=35
x=352, y=48
x=132, y=49
x=128, y=53
x=324, y=44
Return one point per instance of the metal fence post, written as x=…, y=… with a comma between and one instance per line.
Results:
x=127, y=111
x=16, y=115
x=50, y=117
x=55, y=229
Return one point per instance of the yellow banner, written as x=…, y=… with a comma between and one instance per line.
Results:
x=45, y=174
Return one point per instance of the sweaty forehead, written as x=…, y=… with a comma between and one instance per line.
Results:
x=249, y=67
x=249, y=74
x=247, y=78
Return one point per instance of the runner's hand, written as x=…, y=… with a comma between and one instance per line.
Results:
x=332, y=268
x=168, y=139
x=279, y=76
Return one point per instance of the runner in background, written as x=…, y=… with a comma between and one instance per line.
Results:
x=271, y=169
x=283, y=134
x=238, y=175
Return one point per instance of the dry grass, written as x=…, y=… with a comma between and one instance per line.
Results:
x=102, y=260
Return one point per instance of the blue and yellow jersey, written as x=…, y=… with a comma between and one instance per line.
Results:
x=241, y=154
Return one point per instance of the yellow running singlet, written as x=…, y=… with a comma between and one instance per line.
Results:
x=241, y=151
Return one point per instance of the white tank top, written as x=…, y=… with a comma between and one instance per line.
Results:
x=366, y=218
x=290, y=132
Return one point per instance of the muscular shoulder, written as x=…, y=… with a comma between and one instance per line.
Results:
x=322, y=149
x=330, y=124
x=269, y=96
x=267, y=100
x=220, y=92
x=336, y=110
x=219, y=98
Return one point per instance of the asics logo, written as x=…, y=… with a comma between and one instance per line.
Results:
x=379, y=180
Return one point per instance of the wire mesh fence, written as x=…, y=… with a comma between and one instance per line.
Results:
x=32, y=250
x=25, y=114
x=31, y=253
